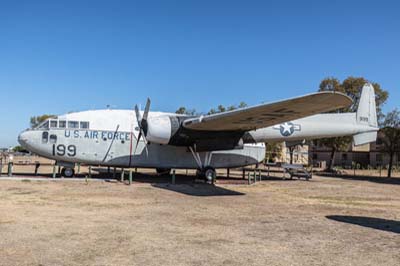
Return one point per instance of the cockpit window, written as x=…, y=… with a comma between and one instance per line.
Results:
x=73, y=124
x=84, y=125
x=62, y=124
x=53, y=123
x=44, y=125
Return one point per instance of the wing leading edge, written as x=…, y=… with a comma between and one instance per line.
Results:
x=270, y=114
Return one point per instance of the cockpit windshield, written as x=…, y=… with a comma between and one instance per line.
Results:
x=62, y=124
x=43, y=125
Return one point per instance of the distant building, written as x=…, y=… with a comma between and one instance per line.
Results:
x=366, y=155
x=320, y=155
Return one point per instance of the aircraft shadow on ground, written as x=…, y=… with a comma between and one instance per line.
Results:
x=371, y=222
x=185, y=185
x=200, y=190
x=374, y=179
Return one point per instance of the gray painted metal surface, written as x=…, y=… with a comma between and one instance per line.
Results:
x=111, y=136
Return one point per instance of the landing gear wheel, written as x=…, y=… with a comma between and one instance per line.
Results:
x=67, y=172
x=210, y=174
x=163, y=171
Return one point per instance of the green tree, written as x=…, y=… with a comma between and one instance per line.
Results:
x=37, y=120
x=231, y=108
x=242, y=105
x=351, y=86
x=183, y=111
x=212, y=111
x=391, y=136
x=221, y=108
x=19, y=149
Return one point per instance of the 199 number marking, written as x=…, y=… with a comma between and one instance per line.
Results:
x=61, y=150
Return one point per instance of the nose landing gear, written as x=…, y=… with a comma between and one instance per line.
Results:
x=68, y=172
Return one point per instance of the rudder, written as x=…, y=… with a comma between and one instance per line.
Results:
x=366, y=113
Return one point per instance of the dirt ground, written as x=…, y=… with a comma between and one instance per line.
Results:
x=326, y=221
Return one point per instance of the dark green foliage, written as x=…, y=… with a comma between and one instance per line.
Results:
x=182, y=110
x=19, y=149
x=221, y=108
x=391, y=136
x=36, y=120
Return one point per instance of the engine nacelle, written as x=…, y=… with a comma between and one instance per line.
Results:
x=159, y=129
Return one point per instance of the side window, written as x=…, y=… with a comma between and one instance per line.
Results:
x=62, y=124
x=53, y=123
x=53, y=138
x=85, y=125
x=45, y=137
x=73, y=124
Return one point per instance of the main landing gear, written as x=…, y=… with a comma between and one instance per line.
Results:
x=208, y=173
x=205, y=170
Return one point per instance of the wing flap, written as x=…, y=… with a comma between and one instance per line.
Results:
x=265, y=115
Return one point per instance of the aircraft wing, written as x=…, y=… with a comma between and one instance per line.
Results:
x=269, y=114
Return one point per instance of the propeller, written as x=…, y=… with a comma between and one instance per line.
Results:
x=142, y=124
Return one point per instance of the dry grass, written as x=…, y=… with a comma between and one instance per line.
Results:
x=327, y=221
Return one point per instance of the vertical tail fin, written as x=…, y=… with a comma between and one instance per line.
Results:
x=366, y=113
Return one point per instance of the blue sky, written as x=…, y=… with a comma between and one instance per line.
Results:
x=61, y=56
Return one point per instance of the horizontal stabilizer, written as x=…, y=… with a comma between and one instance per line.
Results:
x=364, y=138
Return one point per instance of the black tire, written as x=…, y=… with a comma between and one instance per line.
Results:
x=68, y=172
x=163, y=171
x=199, y=173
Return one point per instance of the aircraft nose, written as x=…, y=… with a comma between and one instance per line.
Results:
x=23, y=139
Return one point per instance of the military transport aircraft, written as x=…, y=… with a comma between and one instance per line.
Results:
x=134, y=138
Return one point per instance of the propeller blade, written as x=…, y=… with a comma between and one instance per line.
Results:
x=141, y=135
x=146, y=109
x=138, y=118
x=142, y=123
x=137, y=142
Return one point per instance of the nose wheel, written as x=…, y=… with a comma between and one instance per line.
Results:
x=68, y=172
